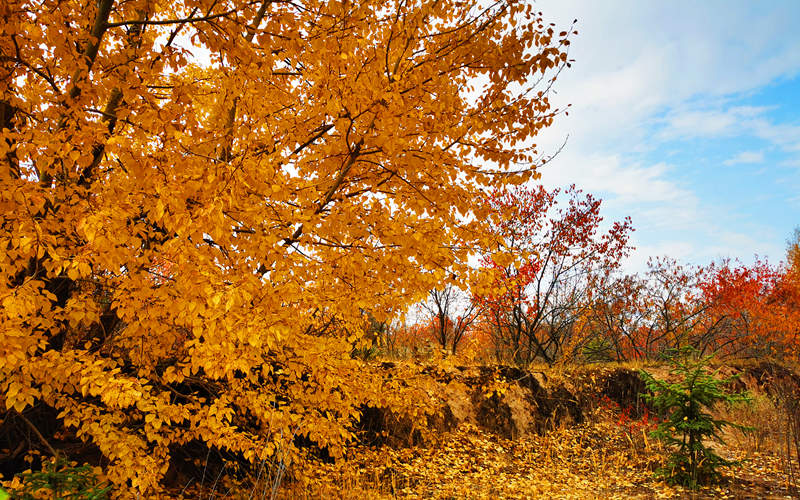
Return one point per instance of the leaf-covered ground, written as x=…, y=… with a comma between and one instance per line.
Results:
x=486, y=449
x=596, y=460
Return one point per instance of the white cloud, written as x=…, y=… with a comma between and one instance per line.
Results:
x=794, y=162
x=627, y=182
x=649, y=72
x=691, y=122
x=783, y=135
x=745, y=157
x=635, y=59
x=723, y=244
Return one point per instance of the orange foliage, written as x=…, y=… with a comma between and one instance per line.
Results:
x=753, y=309
x=726, y=308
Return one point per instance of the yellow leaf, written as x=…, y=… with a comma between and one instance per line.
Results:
x=73, y=273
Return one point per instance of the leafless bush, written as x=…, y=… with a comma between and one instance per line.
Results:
x=787, y=396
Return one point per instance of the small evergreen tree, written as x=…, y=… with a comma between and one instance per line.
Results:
x=688, y=423
x=61, y=480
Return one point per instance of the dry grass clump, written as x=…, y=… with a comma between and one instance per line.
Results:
x=764, y=418
x=773, y=418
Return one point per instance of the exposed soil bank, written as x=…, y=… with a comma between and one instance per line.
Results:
x=511, y=402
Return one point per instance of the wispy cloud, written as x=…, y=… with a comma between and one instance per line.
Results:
x=745, y=157
x=792, y=162
x=690, y=122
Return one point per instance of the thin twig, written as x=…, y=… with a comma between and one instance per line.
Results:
x=170, y=21
x=38, y=434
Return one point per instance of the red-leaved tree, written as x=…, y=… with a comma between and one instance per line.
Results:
x=551, y=258
x=752, y=310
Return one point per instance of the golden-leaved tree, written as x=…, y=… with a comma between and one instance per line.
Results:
x=201, y=198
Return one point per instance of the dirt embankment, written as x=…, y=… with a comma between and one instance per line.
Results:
x=511, y=402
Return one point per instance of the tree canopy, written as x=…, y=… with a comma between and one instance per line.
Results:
x=200, y=200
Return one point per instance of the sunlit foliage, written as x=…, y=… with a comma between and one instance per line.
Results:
x=201, y=200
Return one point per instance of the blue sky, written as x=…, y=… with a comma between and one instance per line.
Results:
x=686, y=116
